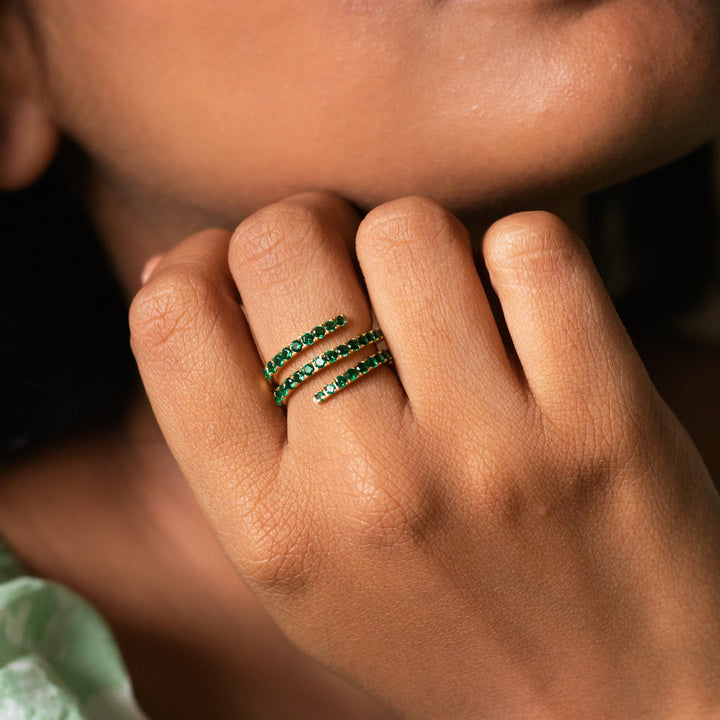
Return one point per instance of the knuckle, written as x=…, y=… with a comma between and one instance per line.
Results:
x=400, y=225
x=265, y=244
x=393, y=513
x=533, y=495
x=524, y=475
x=580, y=458
x=174, y=312
x=280, y=553
x=536, y=242
x=280, y=239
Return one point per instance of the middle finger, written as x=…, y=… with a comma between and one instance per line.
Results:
x=294, y=272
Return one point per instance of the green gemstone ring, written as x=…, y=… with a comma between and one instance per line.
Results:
x=305, y=340
x=282, y=392
x=350, y=376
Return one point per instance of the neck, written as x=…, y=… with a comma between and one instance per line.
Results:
x=135, y=224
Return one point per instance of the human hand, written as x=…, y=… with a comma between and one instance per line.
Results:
x=465, y=535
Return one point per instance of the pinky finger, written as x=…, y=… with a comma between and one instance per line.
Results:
x=572, y=345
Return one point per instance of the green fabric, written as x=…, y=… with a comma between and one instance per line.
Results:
x=58, y=659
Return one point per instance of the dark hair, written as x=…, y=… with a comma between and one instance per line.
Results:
x=65, y=361
x=655, y=240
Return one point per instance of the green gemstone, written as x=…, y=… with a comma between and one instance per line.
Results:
x=286, y=353
x=319, y=332
x=330, y=389
x=331, y=356
x=308, y=369
x=341, y=381
x=277, y=361
x=320, y=396
x=354, y=344
x=308, y=338
x=296, y=346
x=372, y=362
x=268, y=374
x=329, y=325
x=362, y=367
x=352, y=374
x=344, y=350
x=319, y=362
x=290, y=383
x=298, y=377
x=340, y=320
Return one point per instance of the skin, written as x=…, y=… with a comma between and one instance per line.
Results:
x=492, y=542
x=545, y=545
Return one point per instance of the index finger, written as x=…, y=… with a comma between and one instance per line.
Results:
x=202, y=373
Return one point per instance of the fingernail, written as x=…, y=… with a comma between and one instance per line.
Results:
x=150, y=266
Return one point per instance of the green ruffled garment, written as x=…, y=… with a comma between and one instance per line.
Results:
x=58, y=658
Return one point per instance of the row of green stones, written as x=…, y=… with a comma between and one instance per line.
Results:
x=305, y=340
x=327, y=358
x=355, y=373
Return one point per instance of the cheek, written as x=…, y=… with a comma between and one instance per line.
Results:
x=651, y=64
x=591, y=98
x=577, y=100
